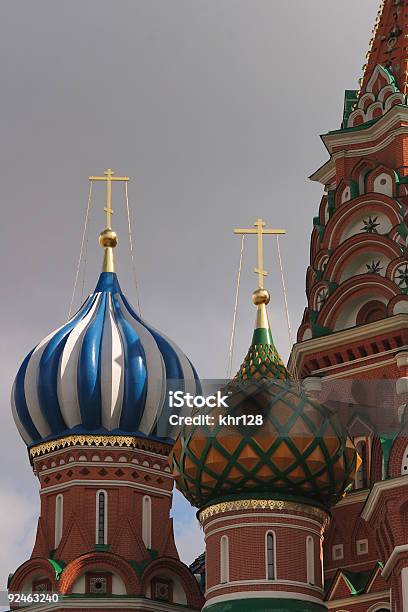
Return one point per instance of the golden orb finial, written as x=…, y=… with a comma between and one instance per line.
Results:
x=108, y=238
x=261, y=296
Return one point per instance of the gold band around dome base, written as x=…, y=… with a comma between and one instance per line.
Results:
x=264, y=504
x=107, y=441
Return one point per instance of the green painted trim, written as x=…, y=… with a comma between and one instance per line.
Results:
x=402, y=230
x=350, y=100
x=386, y=445
x=102, y=547
x=58, y=567
x=272, y=604
x=354, y=189
x=356, y=581
x=318, y=331
x=357, y=128
x=331, y=196
x=318, y=225
x=139, y=567
x=262, y=336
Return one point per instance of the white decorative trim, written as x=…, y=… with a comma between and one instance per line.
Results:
x=59, y=519
x=366, y=135
x=382, y=605
x=262, y=595
x=327, y=172
x=147, y=521
x=357, y=497
x=265, y=582
x=105, y=517
x=352, y=334
x=360, y=599
x=275, y=567
x=269, y=526
x=141, y=604
x=402, y=131
x=373, y=579
x=362, y=547
x=106, y=483
x=392, y=559
x=329, y=573
x=104, y=464
x=224, y=561
x=269, y=515
x=338, y=552
x=365, y=368
x=377, y=489
x=402, y=359
x=310, y=561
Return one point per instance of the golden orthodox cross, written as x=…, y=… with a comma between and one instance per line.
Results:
x=260, y=230
x=109, y=177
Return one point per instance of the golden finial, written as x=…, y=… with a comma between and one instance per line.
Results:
x=108, y=238
x=261, y=297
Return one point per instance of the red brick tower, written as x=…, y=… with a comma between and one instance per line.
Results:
x=354, y=330
x=264, y=473
x=90, y=401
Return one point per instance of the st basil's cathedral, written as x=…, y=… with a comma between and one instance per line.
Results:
x=304, y=511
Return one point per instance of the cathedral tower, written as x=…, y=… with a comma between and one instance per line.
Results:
x=90, y=403
x=264, y=473
x=354, y=332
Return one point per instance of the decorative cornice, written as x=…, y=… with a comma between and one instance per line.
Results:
x=352, y=334
x=326, y=173
x=360, y=599
x=373, y=131
x=263, y=504
x=398, y=550
x=265, y=582
x=117, y=602
x=356, y=497
x=378, y=488
x=101, y=441
x=105, y=483
x=268, y=595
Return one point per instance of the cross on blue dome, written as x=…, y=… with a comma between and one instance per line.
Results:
x=105, y=371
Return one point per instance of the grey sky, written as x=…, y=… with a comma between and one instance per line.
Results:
x=214, y=108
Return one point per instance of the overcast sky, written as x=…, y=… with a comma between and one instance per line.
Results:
x=214, y=109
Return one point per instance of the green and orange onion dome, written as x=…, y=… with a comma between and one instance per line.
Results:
x=300, y=451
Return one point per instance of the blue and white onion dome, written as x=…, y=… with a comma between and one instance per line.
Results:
x=105, y=371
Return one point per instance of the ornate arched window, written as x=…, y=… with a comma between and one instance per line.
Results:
x=270, y=556
x=310, y=560
x=147, y=521
x=371, y=312
x=59, y=519
x=101, y=517
x=224, y=559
